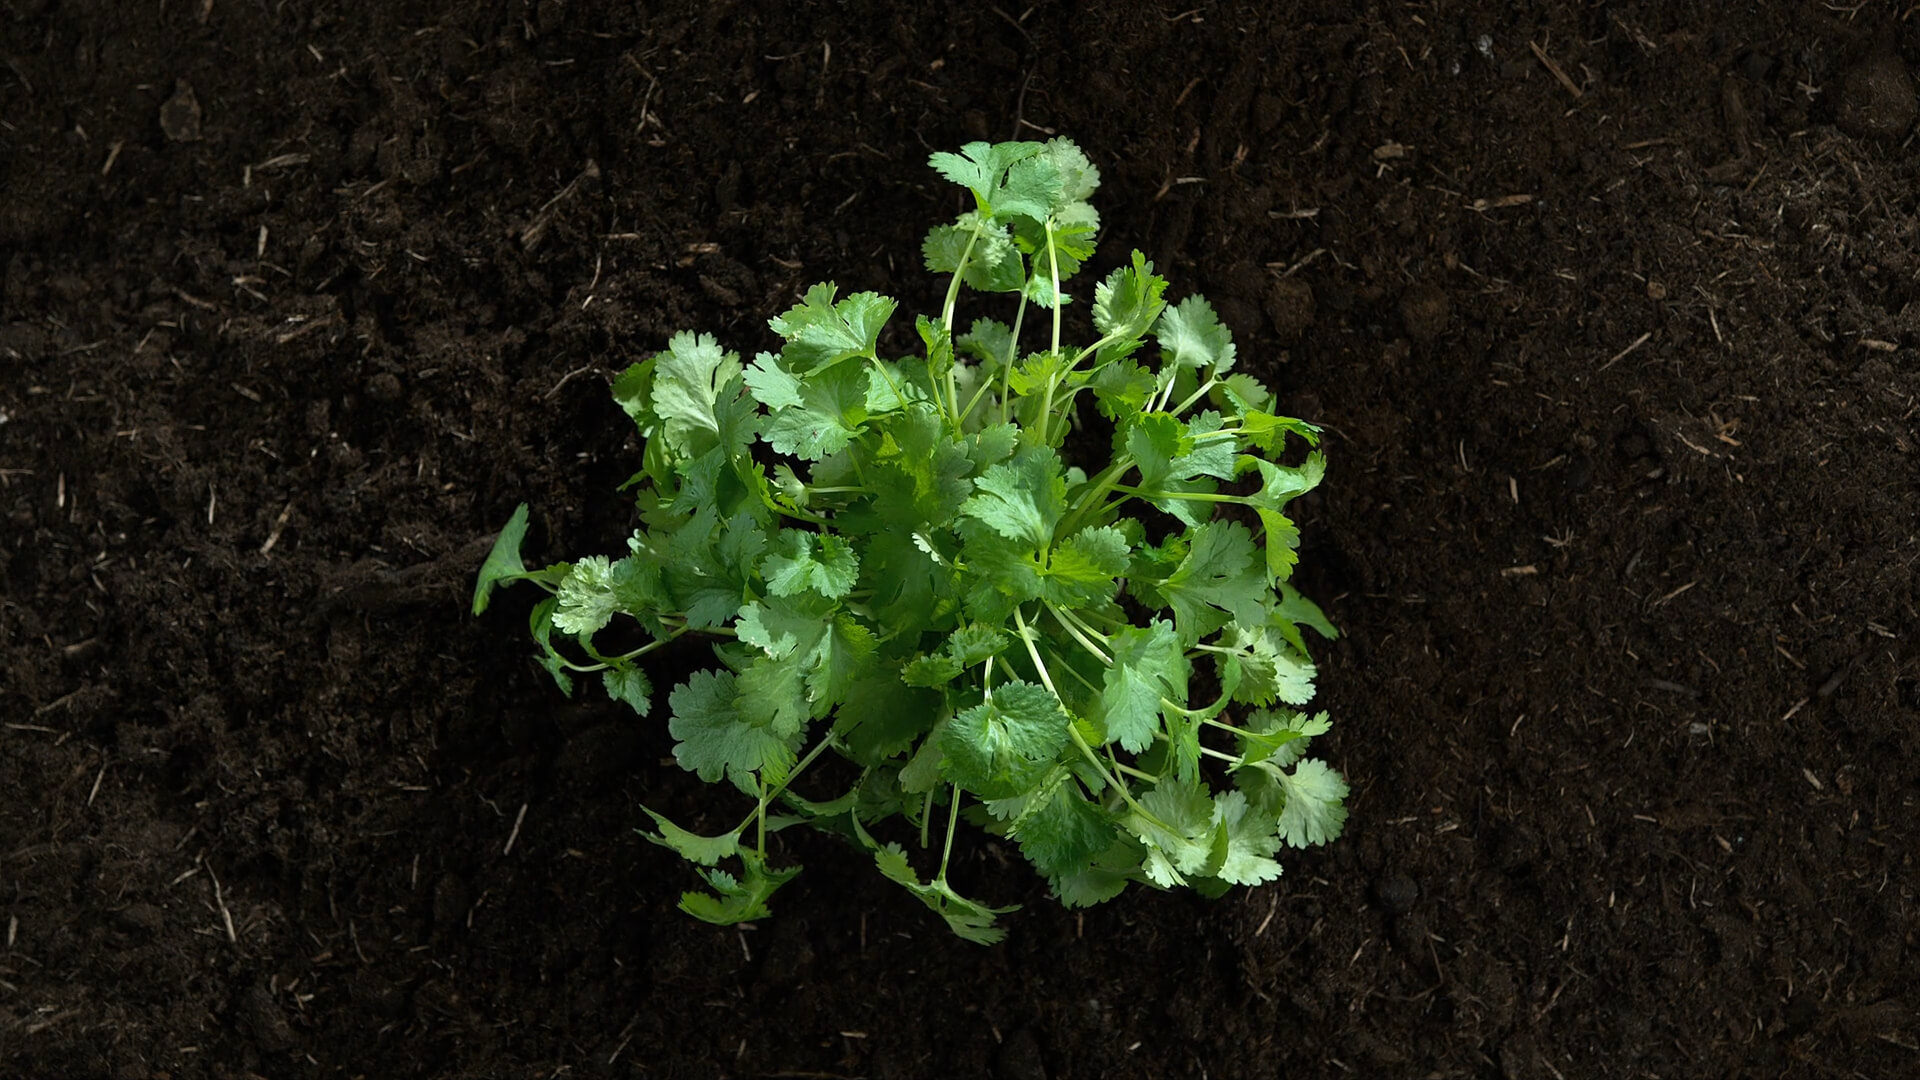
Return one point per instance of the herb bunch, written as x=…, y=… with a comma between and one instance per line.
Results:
x=899, y=567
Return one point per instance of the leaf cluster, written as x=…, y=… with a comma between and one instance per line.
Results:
x=1103, y=663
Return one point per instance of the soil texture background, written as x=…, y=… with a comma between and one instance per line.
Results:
x=1608, y=310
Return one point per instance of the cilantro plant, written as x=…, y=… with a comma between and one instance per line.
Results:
x=1096, y=655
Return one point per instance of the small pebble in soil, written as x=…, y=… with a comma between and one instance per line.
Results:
x=384, y=388
x=180, y=115
x=1396, y=893
x=1877, y=98
x=1290, y=307
x=1425, y=309
x=1519, y=1058
x=263, y=1017
x=1020, y=1057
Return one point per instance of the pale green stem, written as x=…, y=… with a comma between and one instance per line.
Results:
x=953, y=287
x=953, y=826
x=1013, y=352
x=1207, y=751
x=635, y=653
x=1076, y=633
x=1105, y=482
x=926, y=819
x=1196, y=395
x=768, y=794
x=1190, y=496
x=1053, y=266
x=1033, y=652
x=946, y=316
x=1026, y=638
x=898, y=394
x=1053, y=381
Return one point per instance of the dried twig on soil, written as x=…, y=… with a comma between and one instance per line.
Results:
x=1572, y=87
x=1622, y=354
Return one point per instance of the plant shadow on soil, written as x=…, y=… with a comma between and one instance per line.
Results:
x=1609, y=313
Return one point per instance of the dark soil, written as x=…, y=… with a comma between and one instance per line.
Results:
x=1609, y=310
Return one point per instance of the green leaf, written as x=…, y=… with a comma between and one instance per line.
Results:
x=708, y=565
x=968, y=919
x=1278, y=735
x=1059, y=829
x=966, y=647
x=822, y=562
x=1000, y=574
x=630, y=685
x=1037, y=371
x=738, y=900
x=832, y=411
x=980, y=167
x=989, y=341
x=1076, y=228
x=1121, y=389
x=586, y=600
x=975, y=643
x=1259, y=664
x=688, y=382
x=1294, y=611
x=1269, y=432
x=820, y=332
x=540, y=627
x=992, y=264
x=771, y=696
x=1083, y=571
x=1078, y=177
x=1128, y=301
x=1178, y=831
x=1279, y=485
x=998, y=748
x=992, y=444
x=844, y=655
x=825, y=650
x=1250, y=842
x=1104, y=878
x=633, y=391
x=935, y=671
x=921, y=773
x=705, y=850
x=780, y=626
x=1215, y=582
x=714, y=737
x=1209, y=454
x=1314, y=813
x=1165, y=453
x=1191, y=335
x=832, y=808
x=503, y=560
x=923, y=475
x=882, y=716
x=1032, y=189
x=910, y=577
x=771, y=384
x=1148, y=665
x=1021, y=500
x=1247, y=396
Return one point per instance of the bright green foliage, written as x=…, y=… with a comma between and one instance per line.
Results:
x=909, y=561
